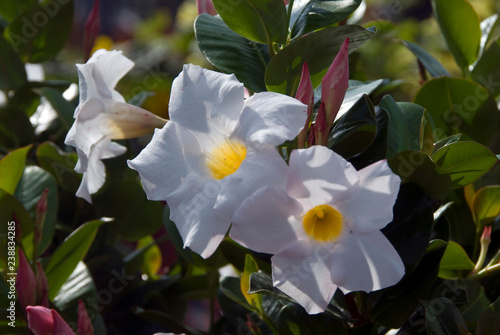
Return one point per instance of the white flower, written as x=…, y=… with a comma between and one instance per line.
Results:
x=217, y=149
x=324, y=227
x=103, y=115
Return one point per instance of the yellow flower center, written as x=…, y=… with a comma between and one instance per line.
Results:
x=225, y=158
x=323, y=223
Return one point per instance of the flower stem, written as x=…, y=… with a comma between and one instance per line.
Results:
x=485, y=243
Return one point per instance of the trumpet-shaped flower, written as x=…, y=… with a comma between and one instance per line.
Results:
x=324, y=227
x=217, y=149
x=103, y=115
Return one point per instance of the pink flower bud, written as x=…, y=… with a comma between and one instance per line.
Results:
x=84, y=323
x=486, y=236
x=91, y=30
x=320, y=127
x=40, y=214
x=25, y=282
x=60, y=326
x=206, y=6
x=40, y=320
x=335, y=84
x=305, y=94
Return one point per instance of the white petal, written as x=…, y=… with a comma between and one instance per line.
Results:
x=365, y=262
x=259, y=168
x=371, y=207
x=205, y=101
x=303, y=272
x=271, y=118
x=172, y=154
x=191, y=209
x=99, y=76
x=262, y=223
x=321, y=176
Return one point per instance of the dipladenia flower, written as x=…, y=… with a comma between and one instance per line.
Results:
x=103, y=115
x=324, y=227
x=217, y=149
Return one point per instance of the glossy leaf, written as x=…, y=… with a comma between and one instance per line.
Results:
x=465, y=162
x=317, y=14
x=448, y=140
x=62, y=106
x=255, y=299
x=151, y=255
x=459, y=106
x=225, y=49
x=11, y=8
x=318, y=50
x=418, y=168
x=11, y=168
x=490, y=31
x=262, y=21
x=355, y=130
x=231, y=287
x=16, y=129
x=454, y=259
x=446, y=319
x=67, y=256
x=34, y=181
x=486, y=205
x=486, y=71
x=12, y=71
x=430, y=63
x=60, y=165
x=427, y=134
x=38, y=33
x=355, y=92
x=459, y=24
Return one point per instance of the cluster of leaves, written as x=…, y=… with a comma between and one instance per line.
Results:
x=133, y=273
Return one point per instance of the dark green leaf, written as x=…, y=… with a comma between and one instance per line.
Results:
x=225, y=49
x=15, y=128
x=64, y=260
x=34, y=181
x=465, y=162
x=63, y=107
x=355, y=92
x=11, y=8
x=459, y=106
x=418, y=168
x=430, y=63
x=490, y=32
x=489, y=321
x=486, y=205
x=486, y=71
x=427, y=134
x=60, y=165
x=442, y=317
x=38, y=33
x=230, y=286
x=254, y=300
x=318, y=50
x=317, y=14
x=12, y=71
x=455, y=259
x=355, y=130
x=448, y=140
x=262, y=21
x=459, y=24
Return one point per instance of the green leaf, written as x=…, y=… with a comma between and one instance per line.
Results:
x=486, y=71
x=15, y=128
x=151, y=256
x=255, y=299
x=34, y=181
x=11, y=8
x=489, y=321
x=459, y=24
x=139, y=98
x=263, y=21
x=448, y=140
x=355, y=130
x=231, y=287
x=317, y=14
x=63, y=107
x=318, y=50
x=355, y=92
x=11, y=168
x=454, y=259
x=12, y=209
x=443, y=317
x=126, y=202
x=38, y=33
x=490, y=32
x=465, y=162
x=427, y=134
x=418, y=168
x=486, y=205
x=225, y=49
x=459, y=106
x=66, y=257
x=12, y=71
x=430, y=63
x=60, y=165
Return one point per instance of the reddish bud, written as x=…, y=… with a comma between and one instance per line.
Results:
x=305, y=94
x=486, y=236
x=60, y=326
x=40, y=214
x=320, y=127
x=25, y=282
x=335, y=84
x=206, y=6
x=40, y=320
x=42, y=286
x=84, y=323
x=91, y=30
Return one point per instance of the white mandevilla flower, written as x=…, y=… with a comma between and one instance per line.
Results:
x=217, y=149
x=103, y=115
x=324, y=227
